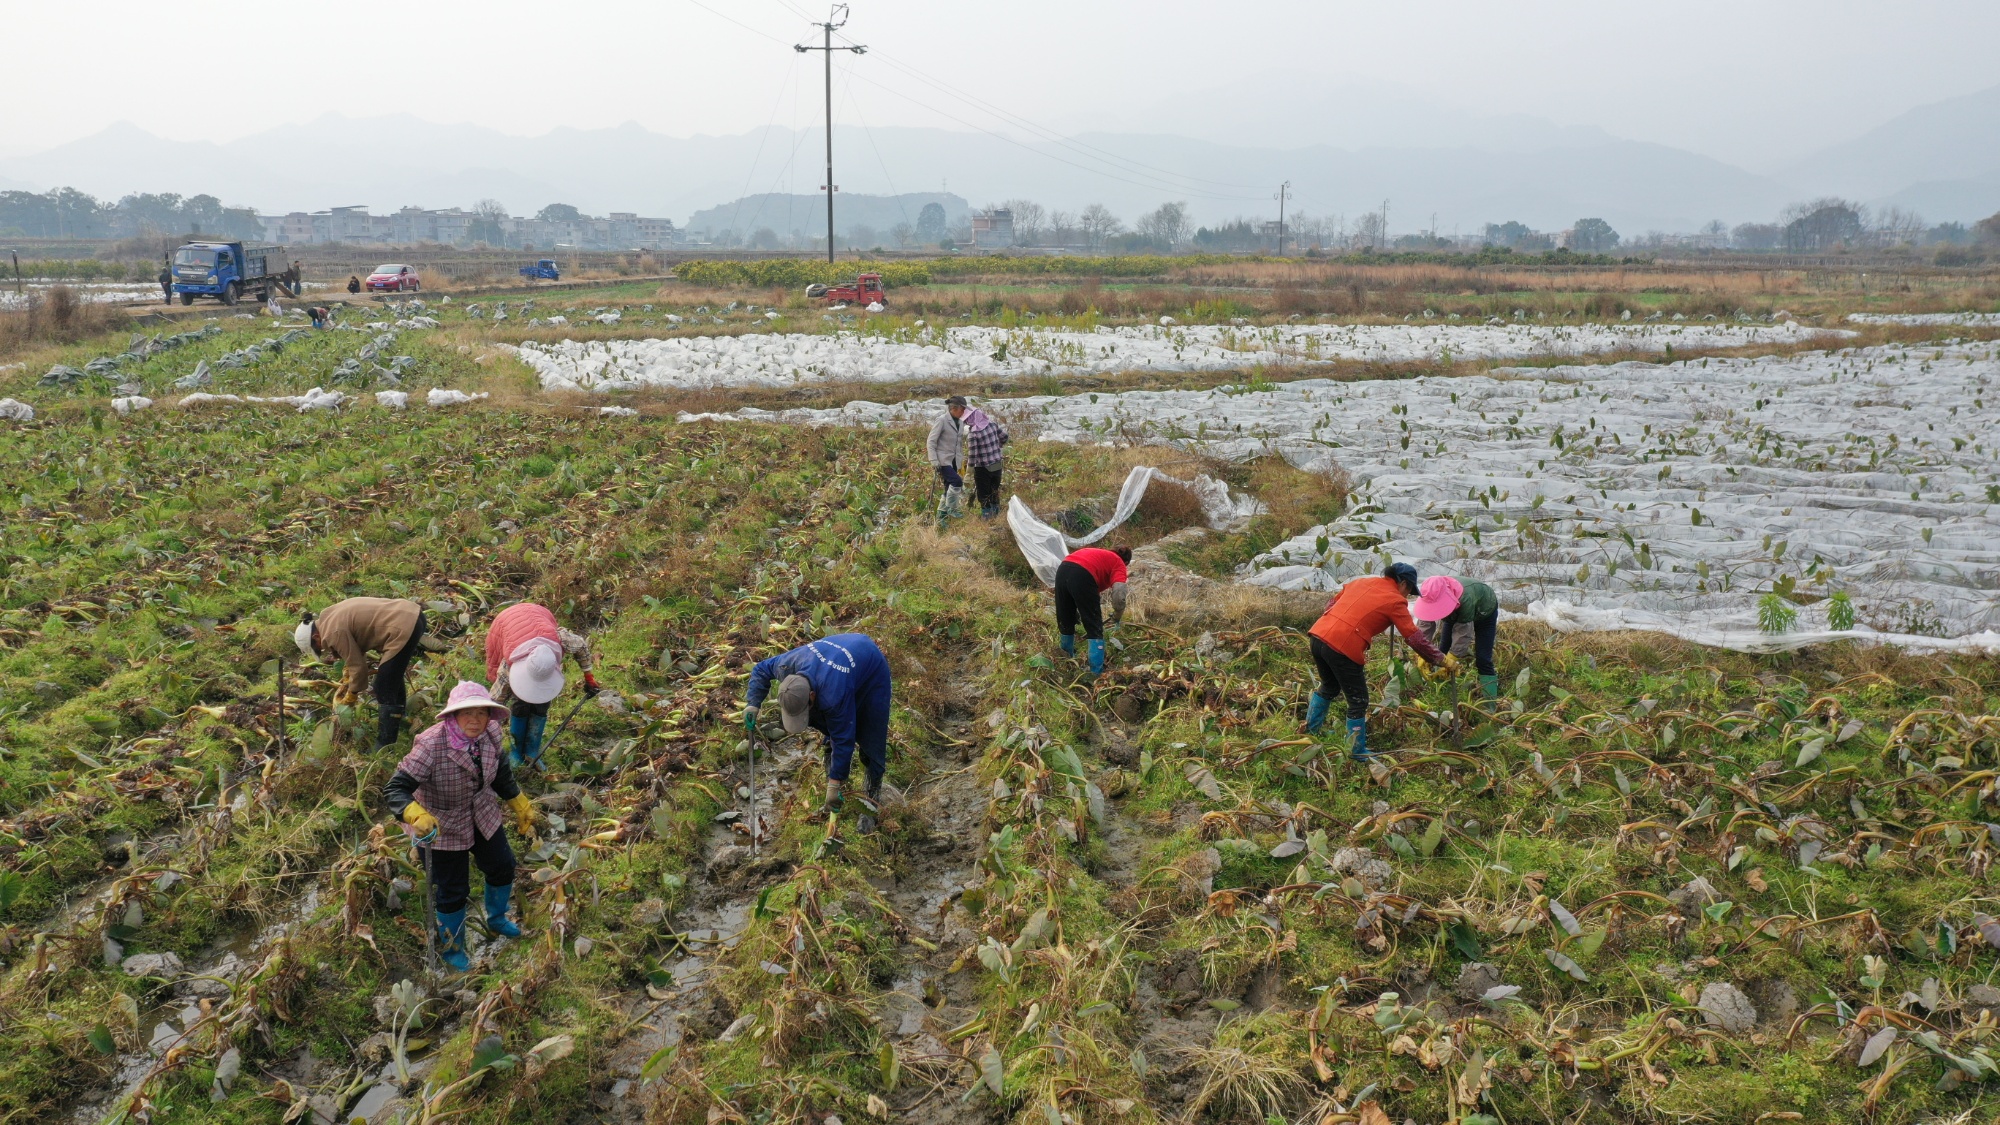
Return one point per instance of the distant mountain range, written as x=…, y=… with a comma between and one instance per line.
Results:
x=1942, y=160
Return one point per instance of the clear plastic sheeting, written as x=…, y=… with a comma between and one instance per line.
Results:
x=94, y=292
x=445, y=396
x=1569, y=617
x=1667, y=498
x=313, y=400
x=1045, y=547
x=913, y=353
x=14, y=410
x=1965, y=319
x=1643, y=496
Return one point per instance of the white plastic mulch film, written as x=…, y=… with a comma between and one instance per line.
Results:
x=1045, y=547
x=912, y=353
x=1626, y=496
x=1970, y=319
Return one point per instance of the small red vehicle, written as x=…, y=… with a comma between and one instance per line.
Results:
x=393, y=278
x=866, y=290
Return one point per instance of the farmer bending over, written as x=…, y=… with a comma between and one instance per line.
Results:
x=838, y=686
x=1085, y=574
x=1362, y=608
x=356, y=627
x=1458, y=610
x=524, y=655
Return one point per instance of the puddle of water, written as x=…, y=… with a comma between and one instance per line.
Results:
x=133, y=1067
x=372, y=1102
x=720, y=926
x=903, y=1008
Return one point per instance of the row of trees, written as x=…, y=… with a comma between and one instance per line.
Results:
x=1586, y=236
x=1096, y=228
x=1832, y=223
x=69, y=213
x=1813, y=227
x=1167, y=229
x=1816, y=226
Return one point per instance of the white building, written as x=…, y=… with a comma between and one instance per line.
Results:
x=993, y=229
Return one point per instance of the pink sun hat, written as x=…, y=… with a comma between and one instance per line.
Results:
x=469, y=694
x=1438, y=596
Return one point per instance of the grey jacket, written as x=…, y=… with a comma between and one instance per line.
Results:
x=947, y=441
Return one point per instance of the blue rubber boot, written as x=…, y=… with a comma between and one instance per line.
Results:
x=525, y=733
x=1096, y=657
x=1068, y=641
x=451, y=940
x=1316, y=712
x=1358, y=729
x=497, y=921
x=517, y=739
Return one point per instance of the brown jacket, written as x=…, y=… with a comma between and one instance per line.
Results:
x=358, y=626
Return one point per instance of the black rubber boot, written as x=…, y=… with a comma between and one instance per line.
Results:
x=871, y=805
x=388, y=726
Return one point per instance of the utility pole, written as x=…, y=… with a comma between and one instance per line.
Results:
x=1283, y=189
x=1383, y=234
x=835, y=21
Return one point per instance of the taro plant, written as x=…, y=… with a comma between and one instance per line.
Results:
x=1775, y=614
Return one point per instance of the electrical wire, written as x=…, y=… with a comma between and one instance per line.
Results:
x=855, y=102
x=1082, y=148
x=784, y=172
x=1154, y=178
x=791, y=76
x=737, y=22
x=1164, y=179
x=1154, y=185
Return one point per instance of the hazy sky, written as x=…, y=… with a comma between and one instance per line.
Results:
x=1750, y=81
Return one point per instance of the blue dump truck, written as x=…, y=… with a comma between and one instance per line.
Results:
x=544, y=270
x=230, y=271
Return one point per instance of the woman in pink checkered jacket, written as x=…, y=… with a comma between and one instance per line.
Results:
x=449, y=789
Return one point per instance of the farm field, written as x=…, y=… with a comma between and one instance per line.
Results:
x=1655, y=881
x=922, y=352
x=1703, y=482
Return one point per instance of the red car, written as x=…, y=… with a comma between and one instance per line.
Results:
x=392, y=278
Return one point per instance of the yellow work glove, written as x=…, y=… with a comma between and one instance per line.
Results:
x=420, y=818
x=524, y=813
x=1450, y=665
x=344, y=697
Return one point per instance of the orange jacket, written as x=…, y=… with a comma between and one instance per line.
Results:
x=1363, y=608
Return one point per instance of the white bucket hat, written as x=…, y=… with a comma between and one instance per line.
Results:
x=534, y=671
x=303, y=637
